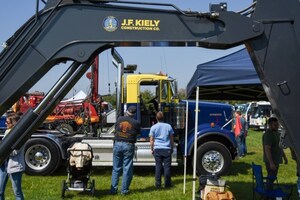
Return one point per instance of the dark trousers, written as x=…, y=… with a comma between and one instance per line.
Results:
x=272, y=175
x=162, y=163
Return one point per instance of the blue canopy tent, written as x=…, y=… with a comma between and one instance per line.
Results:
x=231, y=77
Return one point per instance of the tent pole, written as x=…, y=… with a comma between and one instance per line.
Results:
x=185, y=144
x=195, y=142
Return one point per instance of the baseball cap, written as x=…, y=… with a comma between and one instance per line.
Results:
x=131, y=110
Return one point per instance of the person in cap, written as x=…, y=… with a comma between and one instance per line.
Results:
x=126, y=131
x=238, y=132
x=272, y=152
x=162, y=143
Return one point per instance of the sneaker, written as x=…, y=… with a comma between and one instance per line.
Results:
x=168, y=186
x=111, y=192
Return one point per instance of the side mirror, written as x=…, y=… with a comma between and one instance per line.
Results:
x=176, y=87
x=175, y=92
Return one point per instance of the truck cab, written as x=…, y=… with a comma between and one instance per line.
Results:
x=215, y=137
x=165, y=99
x=259, y=113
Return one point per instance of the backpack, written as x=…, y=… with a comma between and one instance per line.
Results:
x=227, y=195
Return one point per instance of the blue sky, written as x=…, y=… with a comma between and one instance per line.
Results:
x=178, y=62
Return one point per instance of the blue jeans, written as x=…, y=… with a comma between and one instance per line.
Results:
x=241, y=149
x=123, y=153
x=244, y=145
x=16, y=180
x=162, y=162
x=298, y=186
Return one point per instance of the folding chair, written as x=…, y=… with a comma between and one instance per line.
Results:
x=259, y=185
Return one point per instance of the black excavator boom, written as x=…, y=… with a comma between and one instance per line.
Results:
x=77, y=31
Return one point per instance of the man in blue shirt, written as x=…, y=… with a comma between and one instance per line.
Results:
x=162, y=143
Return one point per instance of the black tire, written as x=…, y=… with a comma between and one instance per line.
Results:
x=63, y=188
x=66, y=129
x=42, y=157
x=213, y=158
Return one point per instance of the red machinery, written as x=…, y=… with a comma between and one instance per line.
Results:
x=69, y=116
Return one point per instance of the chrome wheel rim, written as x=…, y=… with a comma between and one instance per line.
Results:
x=212, y=161
x=37, y=157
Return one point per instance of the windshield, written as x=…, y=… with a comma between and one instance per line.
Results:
x=262, y=110
x=164, y=92
x=242, y=107
x=173, y=88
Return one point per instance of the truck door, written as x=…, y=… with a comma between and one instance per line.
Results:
x=146, y=104
x=165, y=99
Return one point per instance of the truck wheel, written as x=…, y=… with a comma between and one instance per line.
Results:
x=213, y=158
x=66, y=129
x=42, y=157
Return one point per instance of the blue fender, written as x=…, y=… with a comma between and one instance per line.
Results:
x=205, y=130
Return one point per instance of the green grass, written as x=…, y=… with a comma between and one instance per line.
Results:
x=142, y=187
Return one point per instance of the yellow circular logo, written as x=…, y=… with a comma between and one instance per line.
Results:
x=110, y=23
